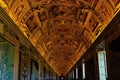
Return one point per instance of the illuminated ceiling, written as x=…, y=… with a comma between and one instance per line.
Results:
x=61, y=30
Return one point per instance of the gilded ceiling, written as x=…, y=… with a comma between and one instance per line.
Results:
x=61, y=30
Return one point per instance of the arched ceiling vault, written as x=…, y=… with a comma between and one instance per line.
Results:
x=61, y=30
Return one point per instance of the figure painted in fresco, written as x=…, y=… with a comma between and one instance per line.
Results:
x=31, y=23
x=42, y=16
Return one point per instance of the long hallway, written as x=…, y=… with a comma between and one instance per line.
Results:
x=59, y=39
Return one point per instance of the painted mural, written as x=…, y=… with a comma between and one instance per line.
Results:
x=6, y=60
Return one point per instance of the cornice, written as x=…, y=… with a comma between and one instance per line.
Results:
x=10, y=23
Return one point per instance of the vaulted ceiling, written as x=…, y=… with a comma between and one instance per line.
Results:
x=61, y=30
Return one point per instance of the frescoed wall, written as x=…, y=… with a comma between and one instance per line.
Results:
x=6, y=60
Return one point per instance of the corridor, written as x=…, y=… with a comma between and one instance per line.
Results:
x=59, y=39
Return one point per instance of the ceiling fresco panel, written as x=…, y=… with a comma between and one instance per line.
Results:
x=19, y=9
x=105, y=10
x=92, y=23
